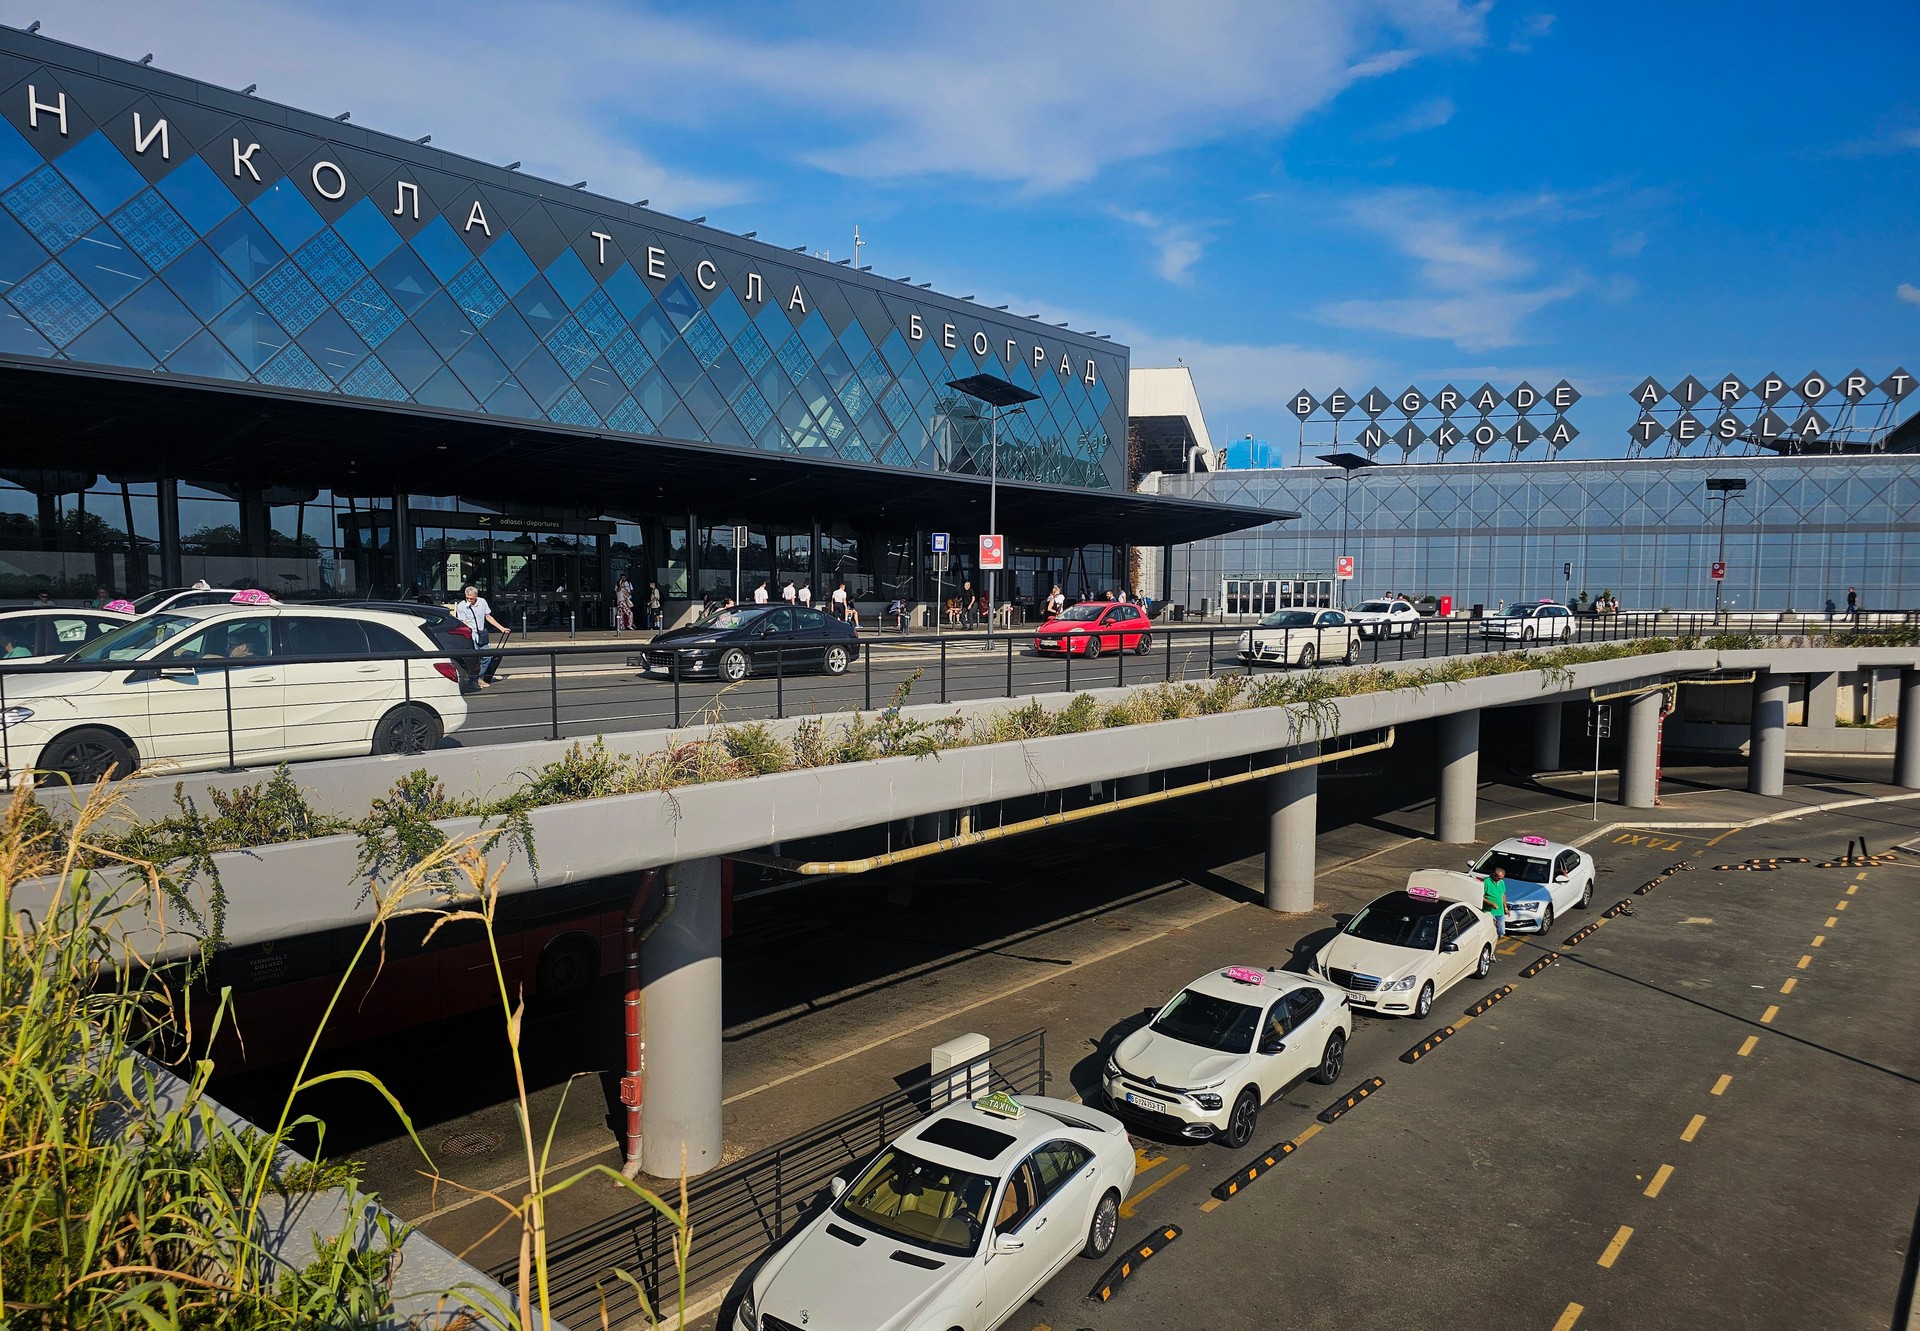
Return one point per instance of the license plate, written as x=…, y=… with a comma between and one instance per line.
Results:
x=1147, y=1102
x=1049, y=642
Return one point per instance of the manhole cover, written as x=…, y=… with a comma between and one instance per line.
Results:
x=470, y=1143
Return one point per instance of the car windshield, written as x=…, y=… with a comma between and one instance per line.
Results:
x=132, y=641
x=1377, y=607
x=727, y=619
x=1524, y=867
x=1288, y=619
x=1399, y=920
x=1211, y=1023
x=930, y=1204
x=1078, y=613
x=1521, y=611
x=145, y=603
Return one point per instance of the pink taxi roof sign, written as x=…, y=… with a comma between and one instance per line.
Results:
x=1533, y=841
x=1245, y=975
x=1423, y=894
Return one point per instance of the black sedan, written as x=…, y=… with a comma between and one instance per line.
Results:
x=756, y=639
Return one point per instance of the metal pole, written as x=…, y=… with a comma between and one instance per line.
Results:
x=1009, y=665
x=1346, y=498
x=1593, y=719
x=227, y=678
x=993, y=522
x=1721, y=558
x=553, y=692
x=943, y=670
x=674, y=663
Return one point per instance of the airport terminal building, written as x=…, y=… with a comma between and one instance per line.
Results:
x=250, y=343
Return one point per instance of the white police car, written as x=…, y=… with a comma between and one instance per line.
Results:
x=1544, y=880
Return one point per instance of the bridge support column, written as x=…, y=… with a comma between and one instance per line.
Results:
x=1131, y=787
x=680, y=978
x=1906, y=736
x=1767, y=747
x=1640, y=756
x=1455, y=811
x=1546, y=736
x=1823, y=701
x=1293, y=808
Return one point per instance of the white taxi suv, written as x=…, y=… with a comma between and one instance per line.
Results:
x=200, y=688
x=1406, y=948
x=1390, y=618
x=1224, y=1046
x=1544, y=880
x=954, y=1225
x=1546, y=621
x=38, y=634
x=1302, y=638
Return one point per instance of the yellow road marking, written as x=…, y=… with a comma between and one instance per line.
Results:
x=1746, y=1046
x=1804, y=962
x=1043, y=1327
x=1211, y=1204
x=1720, y=1087
x=1853, y=887
x=1508, y=949
x=1819, y=939
x=1839, y=905
x=1766, y=1018
x=1458, y=1022
x=1127, y=1207
x=1142, y=1162
x=1613, y=1249
x=1723, y=836
x=1569, y=1317
x=1832, y=920
x=1858, y=878
x=1660, y=1177
x=1787, y=988
x=1693, y=1128
x=1308, y=1134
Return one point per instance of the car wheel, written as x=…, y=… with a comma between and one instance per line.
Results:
x=1093, y=646
x=408, y=728
x=1486, y=962
x=568, y=967
x=733, y=666
x=836, y=660
x=1546, y=920
x=1146, y=641
x=1332, y=1059
x=1424, y=1004
x=1106, y=1224
x=1242, y=1121
x=1308, y=656
x=1353, y=650
x=1526, y=634
x=85, y=756
x=1586, y=895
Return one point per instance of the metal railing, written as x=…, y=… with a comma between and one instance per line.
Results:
x=740, y=1210
x=228, y=713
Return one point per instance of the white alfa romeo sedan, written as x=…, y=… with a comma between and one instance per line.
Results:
x=1224, y=1046
x=955, y=1224
x=1404, y=949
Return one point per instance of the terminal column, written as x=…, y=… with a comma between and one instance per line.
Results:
x=1640, y=758
x=1455, y=816
x=1823, y=701
x=1546, y=736
x=680, y=983
x=1293, y=809
x=1906, y=736
x=1767, y=745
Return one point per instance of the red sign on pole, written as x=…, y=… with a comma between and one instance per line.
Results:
x=993, y=552
x=1343, y=567
x=1719, y=570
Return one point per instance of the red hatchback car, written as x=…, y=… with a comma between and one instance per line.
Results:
x=1093, y=627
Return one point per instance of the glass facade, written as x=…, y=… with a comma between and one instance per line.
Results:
x=1647, y=530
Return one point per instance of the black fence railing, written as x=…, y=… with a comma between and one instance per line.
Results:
x=170, y=713
x=742, y=1209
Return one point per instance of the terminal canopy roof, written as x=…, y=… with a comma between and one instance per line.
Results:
x=76, y=420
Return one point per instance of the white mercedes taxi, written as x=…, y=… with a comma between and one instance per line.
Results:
x=1404, y=949
x=954, y=1225
x=1545, y=880
x=1224, y=1046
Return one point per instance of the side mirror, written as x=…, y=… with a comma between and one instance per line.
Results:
x=1273, y=1047
x=1450, y=947
x=838, y=1187
x=1008, y=1243
x=1561, y=878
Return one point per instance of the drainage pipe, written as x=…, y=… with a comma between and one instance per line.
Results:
x=633, y=1084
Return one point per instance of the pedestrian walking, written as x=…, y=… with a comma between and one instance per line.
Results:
x=1056, y=601
x=473, y=611
x=1494, y=898
x=656, y=615
x=806, y=593
x=760, y=593
x=787, y=593
x=969, y=603
x=838, y=601
x=623, y=605
x=1853, y=606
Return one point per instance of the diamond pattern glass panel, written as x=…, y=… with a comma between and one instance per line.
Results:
x=57, y=305
x=371, y=311
x=330, y=265
x=50, y=209
x=572, y=409
x=477, y=294
x=292, y=368
x=157, y=233
x=373, y=379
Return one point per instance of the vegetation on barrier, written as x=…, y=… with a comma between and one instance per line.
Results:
x=126, y=1203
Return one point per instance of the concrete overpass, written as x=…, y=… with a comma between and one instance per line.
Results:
x=298, y=888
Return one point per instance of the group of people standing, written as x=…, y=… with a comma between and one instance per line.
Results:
x=623, y=606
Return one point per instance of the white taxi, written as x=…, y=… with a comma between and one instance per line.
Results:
x=1302, y=638
x=1547, y=621
x=1224, y=1046
x=954, y=1225
x=1388, y=618
x=1404, y=949
x=1544, y=880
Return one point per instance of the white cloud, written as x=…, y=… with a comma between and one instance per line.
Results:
x=1908, y=292
x=1043, y=96
x=1180, y=245
x=1628, y=245
x=1430, y=114
x=1531, y=29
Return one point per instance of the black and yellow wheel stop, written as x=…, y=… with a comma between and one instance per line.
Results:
x=1350, y=1099
x=1539, y=965
x=1426, y=1046
x=1227, y=1189
x=1131, y=1261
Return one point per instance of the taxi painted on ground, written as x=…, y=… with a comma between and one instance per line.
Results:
x=1544, y=880
x=1223, y=1047
x=954, y=1225
x=1093, y=627
x=1403, y=950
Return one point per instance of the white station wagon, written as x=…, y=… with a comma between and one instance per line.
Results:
x=169, y=704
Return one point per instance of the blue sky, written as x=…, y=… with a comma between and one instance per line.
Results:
x=1285, y=194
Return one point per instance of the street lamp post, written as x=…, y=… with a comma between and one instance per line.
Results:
x=1723, y=488
x=1348, y=463
x=1000, y=395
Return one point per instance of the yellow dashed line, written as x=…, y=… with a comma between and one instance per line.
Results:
x=1142, y=1162
x=1308, y=1133
x=1569, y=1317
x=1127, y=1207
x=1693, y=1128
x=1746, y=1046
x=1458, y=1022
x=1852, y=888
x=1613, y=1249
x=1832, y=920
x=1819, y=939
x=1211, y=1204
x=1858, y=878
x=1660, y=1177
x=1766, y=1018
x=1839, y=905
x=1804, y=962
x=1787, y=988
x=1720, y=1087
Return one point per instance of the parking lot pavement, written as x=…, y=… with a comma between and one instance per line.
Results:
x=1702, y=1115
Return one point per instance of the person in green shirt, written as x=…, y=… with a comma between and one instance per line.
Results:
x=10, y=649
x=1494, y=887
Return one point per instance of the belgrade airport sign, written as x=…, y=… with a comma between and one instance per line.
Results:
x=1814, y=413
x=1484, y=417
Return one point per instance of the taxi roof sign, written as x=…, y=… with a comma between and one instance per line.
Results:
x=1423, y=894
x=1533, y=841
x=1000, y=1105
x=1245, y=975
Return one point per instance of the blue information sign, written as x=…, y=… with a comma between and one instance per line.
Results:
x=939, y=543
